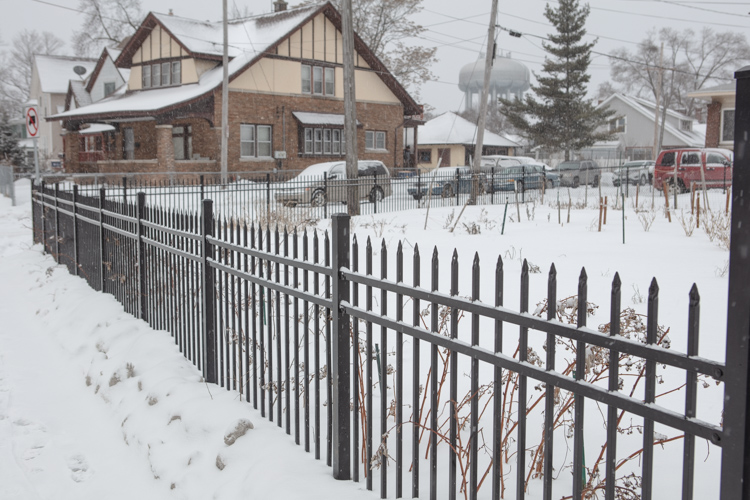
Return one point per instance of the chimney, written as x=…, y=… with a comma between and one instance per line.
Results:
x=171, y=13
x=279, y=6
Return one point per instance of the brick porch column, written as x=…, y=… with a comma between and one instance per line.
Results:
x=164, y=148
x=713, y=124
x=72, y=148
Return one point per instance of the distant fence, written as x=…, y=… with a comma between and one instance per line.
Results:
x=7, y=183
x=290, y=320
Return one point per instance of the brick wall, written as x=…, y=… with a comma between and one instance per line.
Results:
x=713, y=124
x=274, y=110
x=256, y=109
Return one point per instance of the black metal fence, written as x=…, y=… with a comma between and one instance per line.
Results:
x=432, y=404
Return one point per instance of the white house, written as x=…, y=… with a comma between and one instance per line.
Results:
x=50, y=79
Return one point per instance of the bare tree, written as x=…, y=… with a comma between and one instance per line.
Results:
x=691, y=61
x=18, y=63
x=105, y=23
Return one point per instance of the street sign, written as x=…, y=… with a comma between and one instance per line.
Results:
x=32, y=121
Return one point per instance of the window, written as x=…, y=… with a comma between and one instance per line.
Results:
x=109, y=88
x=156, y=75
x=424, y=156
x=323, y=141
x=318, y=80
x=617, y=125
x=146, y=77
x=128, y=144
x=308, y=141
x=306, y=85
x=176, y=72
x=166, y=74
x=444, y=157
x=182, y=140
x=691, y=158
x=686, y=125
x=336, y=133
x=727, y=125
x=161, y=74
x=255, y=141
x=329, y=79
x=318, y=141
x=374, y=140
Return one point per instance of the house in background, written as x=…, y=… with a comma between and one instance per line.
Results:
x=453, y=139
x=50, y=77
x=286, y=98
x=634, y=128
x=720, y=114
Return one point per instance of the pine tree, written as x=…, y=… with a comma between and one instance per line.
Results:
x=10, y=151
x=560, y=117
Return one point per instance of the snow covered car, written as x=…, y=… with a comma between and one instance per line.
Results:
x=576, y=172
x=323, y=183
x=445, y=182
x=520, y=178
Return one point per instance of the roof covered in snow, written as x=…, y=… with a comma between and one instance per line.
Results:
x=249, y=40
x=78, y=89
x=449, y=128
x=695, y=137
x=56, y=71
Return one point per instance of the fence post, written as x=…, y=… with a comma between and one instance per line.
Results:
x=141, y=253
x=102, y=197
x=268, y=196
x=125, y=191
x=202, y=187
x=75, y=227
x=57, y=225
x=735, y=468
x=375, y=198
x=325, y=193
x=44, y=224
x=209, y=293
x=340, y=370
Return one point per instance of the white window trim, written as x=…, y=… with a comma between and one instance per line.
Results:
x=375, y=140
x=256, y=155
x=721, y=125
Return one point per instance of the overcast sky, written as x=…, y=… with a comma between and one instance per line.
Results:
x=457, y=27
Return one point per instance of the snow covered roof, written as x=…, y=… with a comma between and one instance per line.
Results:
x=449, y=128
x=78, y=89
x=725, y=89
x=56, y=71
x=695, y=137
x=97, y=128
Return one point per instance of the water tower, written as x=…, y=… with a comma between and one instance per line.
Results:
x=507, y=78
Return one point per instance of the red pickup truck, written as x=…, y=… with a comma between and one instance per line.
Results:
x=693, y=166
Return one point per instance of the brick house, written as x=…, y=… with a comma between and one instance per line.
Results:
x=286, y=98
x=720, y=114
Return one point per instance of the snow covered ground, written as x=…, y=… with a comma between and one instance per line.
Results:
x=94, y=404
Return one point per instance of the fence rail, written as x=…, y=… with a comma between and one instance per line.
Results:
x=289, y=320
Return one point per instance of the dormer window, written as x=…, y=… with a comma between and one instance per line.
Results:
x=161, y=74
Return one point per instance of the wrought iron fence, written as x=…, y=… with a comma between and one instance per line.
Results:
x=289, y=320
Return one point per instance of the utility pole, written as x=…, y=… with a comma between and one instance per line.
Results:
x=658, y=100
x=225, y=100
x=489, y=58
x=350, y=110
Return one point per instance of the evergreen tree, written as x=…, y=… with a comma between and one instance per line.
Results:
x=10, y=151
x=560, y=117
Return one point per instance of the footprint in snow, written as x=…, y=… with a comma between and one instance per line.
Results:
x=79, y=468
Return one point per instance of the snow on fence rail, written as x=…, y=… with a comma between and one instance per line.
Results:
x=459, y=394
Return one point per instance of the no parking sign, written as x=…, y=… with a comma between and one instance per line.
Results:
x=32, y=121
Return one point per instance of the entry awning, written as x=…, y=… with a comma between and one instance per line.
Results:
x=320, y=119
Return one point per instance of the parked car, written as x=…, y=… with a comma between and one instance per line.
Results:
x=576, y=172
x=521, y=177
x=445, y=182
x=687, y=164
x=635, y=172
x=327, y=182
